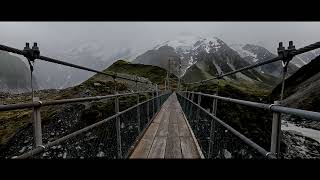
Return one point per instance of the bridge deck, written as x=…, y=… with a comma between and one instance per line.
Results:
x=168, y=136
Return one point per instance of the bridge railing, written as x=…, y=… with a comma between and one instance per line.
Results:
x=142, y=112
x=113, y=137
x=217, y=139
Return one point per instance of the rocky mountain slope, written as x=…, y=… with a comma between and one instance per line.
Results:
x=201, y=58
x=184, y=48
x=60, y=120
x=153, y=73
x=88, y=54
x=301, y=91
x=14, y=74
x=302, y=88
x=224, y=60
x=255, y=54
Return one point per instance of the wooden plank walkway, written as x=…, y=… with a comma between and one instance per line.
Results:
x=168, y=136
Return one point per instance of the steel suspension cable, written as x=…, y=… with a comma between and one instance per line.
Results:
x=278, y=58
x=48, y=59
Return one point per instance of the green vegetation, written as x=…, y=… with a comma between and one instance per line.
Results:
x=154, y=73
x=194, y=73
x=252, y=122
x=11, y=122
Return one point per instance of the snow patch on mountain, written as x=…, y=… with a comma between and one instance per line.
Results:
x=188, y=43
x=189, y=46
x=240, y=75
x=184, y=42
x=239, y=48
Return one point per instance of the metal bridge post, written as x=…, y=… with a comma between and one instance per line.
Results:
x=188, y=104
x=190, y=108
x=36, y=121
x=138, y=113
x=276, y=132
x=186, y=101
x=138, y=107
x=198, y=111
x=153, y=102
x=157, y=99
x=214, y=106
x=148, y=109
x=212, y=127
x=118, y=123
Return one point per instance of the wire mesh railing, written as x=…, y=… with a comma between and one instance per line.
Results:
x=100, y=140
x=215, y=139
x=199, y=116
x=227, y=141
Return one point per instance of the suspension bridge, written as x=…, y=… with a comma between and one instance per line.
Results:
x=168, y=124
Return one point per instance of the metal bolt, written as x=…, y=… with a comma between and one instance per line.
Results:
x=27, y=47
x=291, y=46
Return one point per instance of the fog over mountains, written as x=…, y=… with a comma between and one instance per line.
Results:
x=98, y=44
x=201, y=57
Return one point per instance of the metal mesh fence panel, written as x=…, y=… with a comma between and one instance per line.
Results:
x=224, y=144
x=98, y=142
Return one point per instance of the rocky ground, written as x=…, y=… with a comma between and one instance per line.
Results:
x=60, y=120
x=99, y=142
x=301, y=138
x=299, y=146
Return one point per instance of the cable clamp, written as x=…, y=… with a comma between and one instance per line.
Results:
x=270, y=106
x=270, y=153
x=42, y=146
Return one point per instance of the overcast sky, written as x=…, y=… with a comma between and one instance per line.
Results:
x=145, y=35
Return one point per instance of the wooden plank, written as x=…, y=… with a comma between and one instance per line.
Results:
x=158, y=147
x=188, y=148
x=173, y=130
x=151, y=131
x=168, y=136
x=173, y=117
x=163, y=127
x=159, y=116
x=173, y=148
x=142, y=150
x=180, y=117
x=183, y=128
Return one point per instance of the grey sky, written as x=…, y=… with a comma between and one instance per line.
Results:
x=145, y=35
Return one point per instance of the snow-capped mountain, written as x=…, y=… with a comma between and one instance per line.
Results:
x=255, y=54
x=200, y=57
x=185, y=48
x=246, y=52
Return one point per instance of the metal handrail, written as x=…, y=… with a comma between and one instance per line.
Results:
x=235, y=132
x=39, y=149
x=56, y=61
x=64, y=101
x=291, y=53
x=272, y=107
